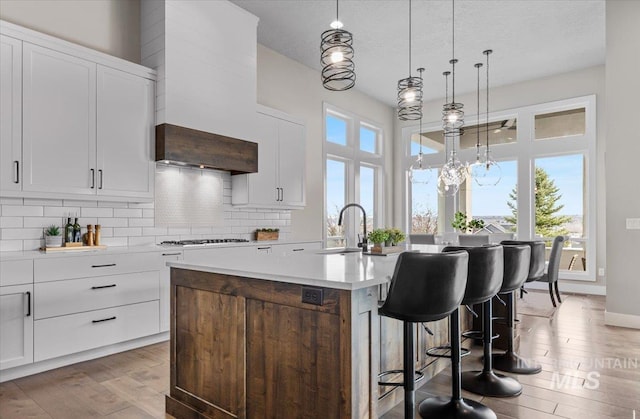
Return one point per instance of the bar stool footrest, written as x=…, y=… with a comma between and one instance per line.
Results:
x=477, y=335
x=419, y=377
x=433, y=352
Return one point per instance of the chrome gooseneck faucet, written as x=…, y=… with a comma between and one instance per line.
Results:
x=363, y=242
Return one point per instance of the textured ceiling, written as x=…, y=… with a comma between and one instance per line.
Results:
x=530, y=39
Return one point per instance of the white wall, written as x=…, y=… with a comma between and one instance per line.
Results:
x=109, y=26
x=562, y=86
x=623, y=149
x=291, y=87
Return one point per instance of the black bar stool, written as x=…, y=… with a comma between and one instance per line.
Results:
x=486, y=382
x=484, y=281
x=515, y=276
x=425, y=287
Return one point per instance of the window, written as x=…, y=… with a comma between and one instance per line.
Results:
x=354, y=170
x=547, y=188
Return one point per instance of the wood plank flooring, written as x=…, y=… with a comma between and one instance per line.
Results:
x=573, y=346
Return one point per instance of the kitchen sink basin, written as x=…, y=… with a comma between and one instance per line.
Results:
x=339, y=251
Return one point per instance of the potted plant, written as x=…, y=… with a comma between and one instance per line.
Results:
x=462, y=224
x=378, y=236
x=395, y=236
x=52, y=236
x=263, y=234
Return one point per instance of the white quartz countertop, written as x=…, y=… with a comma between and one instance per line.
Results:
x=348, y=271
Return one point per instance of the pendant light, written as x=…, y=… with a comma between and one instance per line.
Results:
x=338, y=69
x=477, y=165
x=453, y=173
x=489, y=172
x=410, y=90
x=419, y=173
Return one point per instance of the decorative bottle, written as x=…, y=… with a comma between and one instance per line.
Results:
x=68, y=231
x=77, y=236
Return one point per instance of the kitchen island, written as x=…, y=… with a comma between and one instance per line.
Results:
x=286, y=336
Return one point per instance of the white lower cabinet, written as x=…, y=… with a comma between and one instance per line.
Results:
x=16, y=326
x=165, y=288
x=64, y=335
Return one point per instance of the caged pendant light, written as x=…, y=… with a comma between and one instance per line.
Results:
x=410, y=90
x=419, y=172
x=489, y=172
x=336, y=46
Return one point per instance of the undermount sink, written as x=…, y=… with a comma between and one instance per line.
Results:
x=339, y=251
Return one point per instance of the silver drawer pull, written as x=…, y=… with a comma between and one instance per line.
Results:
x=103, y=320
x=171, y=254
x=103, y=286
x=103, y=266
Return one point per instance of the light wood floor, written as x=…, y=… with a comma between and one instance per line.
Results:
x=132, y=384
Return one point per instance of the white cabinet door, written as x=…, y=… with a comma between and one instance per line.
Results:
x=59, y=122
x=291, y=159
x=165, y=289
x=16, y=326
x=262, y=185
x=10, y=114
x=124, y=134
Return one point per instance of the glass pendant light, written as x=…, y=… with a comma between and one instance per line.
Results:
x=338, y=69
x=419, y=172
x=477, y=166
x=453, y=173
x=489, y=173
x=410, y=90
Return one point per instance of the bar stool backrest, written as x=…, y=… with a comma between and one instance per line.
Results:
x=537, y=262
x=426, y=286
x=486, y=268
x=554, y=259
x=516, y=266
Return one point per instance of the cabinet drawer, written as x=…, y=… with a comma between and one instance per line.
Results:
x=16, y=272
x=76, y=295
x=95, y=265
x=58, y=336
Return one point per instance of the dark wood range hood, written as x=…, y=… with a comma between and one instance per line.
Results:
x=186, y=146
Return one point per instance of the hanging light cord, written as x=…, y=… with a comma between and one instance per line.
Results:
x=478, y=65
x=487, y=53
x=409, y=38
x=337, y=14
x=453, y=50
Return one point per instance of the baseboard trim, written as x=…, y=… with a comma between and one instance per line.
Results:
x=570, y=287
x=49, y=364
x=621, y=320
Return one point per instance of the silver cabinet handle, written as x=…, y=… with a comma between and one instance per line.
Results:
x=16, y=165
x=100, y=176
x=93, y=178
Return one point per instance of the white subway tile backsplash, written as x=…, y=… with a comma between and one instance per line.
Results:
x=11, y=222
x=113, y=222
x=127, y=212
x=127, y=232
x=10, y=245
x=140, y=222
x=133, y=224
x=61, y=211
x=97, y=212
x=43, y=202
x=22, y=211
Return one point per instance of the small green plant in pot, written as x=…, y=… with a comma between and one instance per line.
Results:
x=378, y=236
x=52, y=236
x=396, y=236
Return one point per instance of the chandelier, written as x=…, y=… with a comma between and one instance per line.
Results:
x=338, y=69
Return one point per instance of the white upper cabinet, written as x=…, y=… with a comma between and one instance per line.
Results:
x=280, y=181
x=124, y=134
x=76, y=123
x=205, y=53
x=10, y=114
x=59, y=122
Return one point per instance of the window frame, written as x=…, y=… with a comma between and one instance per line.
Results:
x=525, y=150
x=353, y=158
